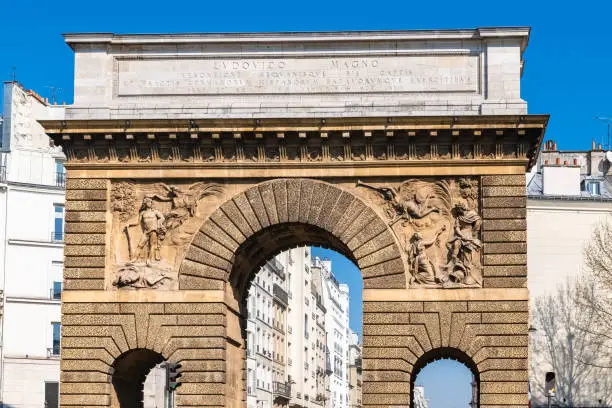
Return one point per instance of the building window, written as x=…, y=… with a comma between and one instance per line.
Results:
x=55, y=350
x=58, y=223
x=56, y=292
x=51, y=395
x=60, y=174
x=593, y=187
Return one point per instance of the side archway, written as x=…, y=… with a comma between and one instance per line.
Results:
x=436, y=354
x=130, y=371
x=282, y=213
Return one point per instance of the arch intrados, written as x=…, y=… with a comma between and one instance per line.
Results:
x=130, y=370
x=442, y=353
x=269, y=242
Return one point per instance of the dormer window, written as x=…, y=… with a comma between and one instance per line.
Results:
x=593, y=187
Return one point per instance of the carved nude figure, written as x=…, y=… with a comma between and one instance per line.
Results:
x=463, y=245
x=423, y=269
x=151, y=222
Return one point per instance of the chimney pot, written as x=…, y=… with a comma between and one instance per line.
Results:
x=599, y=146
x=555, y=146
x=593, y=144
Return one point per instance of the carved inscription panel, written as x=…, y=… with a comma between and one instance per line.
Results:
x=385, y=74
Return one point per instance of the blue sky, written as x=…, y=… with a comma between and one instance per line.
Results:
x=567, y=71
x=568, y=61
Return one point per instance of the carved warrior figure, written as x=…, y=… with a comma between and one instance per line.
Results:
x=463, y=245
x=151, y=222
x=440, y=230
x=147, y=267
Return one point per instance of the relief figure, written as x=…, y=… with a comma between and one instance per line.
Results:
x=422, y=268
x=445, y=209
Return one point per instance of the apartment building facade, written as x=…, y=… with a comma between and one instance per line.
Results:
x=336, y=301
x=31, y=251
x=267, y=384
x=569, y=193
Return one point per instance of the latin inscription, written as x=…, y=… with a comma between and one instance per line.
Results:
x=298, y=75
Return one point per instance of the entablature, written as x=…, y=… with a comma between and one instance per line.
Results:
x=301, y=143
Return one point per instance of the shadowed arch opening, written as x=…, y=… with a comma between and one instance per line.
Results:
x=130, y=371
x=444, y=353
x=271, y=241
x=283, y=213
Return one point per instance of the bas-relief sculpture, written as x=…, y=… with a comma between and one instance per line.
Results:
x=151, y=239
x=439, y=226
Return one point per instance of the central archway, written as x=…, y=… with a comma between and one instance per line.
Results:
x=267, y=218
x=278, y=214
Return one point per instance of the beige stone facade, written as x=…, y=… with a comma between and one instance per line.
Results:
x=169, y=219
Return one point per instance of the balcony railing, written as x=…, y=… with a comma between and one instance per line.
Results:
x=277, y=268
x=282, y=389
x=2, y=174
x=280, y=294
x=57, y=236
x=60, y=179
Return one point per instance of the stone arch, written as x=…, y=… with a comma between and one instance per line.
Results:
x=129, y=373
x=282, y=213
x=439, y=354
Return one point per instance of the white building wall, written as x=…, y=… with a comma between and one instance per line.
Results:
x=32, y=259
x=336, y=301
x=557, y=231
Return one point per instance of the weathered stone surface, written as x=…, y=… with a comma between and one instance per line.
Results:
x=497, y=213
x=505, y=259
x=83, y=216
x=504, y=202
x=504, y=236
x=86, y=184
x=85, y=239
x=505, y=282
x=84, y=284
x=384, y=307
x=84, y=250
x=505, y=248
x=84, y=273
x=87, y=195
x=504, y=225
x=506, y=270
x=396, y=281
x=86, y=227
x=84, y=261
x=503, y=191
x=498, y=306
x=73, y=205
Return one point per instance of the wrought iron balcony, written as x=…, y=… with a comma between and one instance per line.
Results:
x=281, y=389
x=280, y=294
x=60, y=179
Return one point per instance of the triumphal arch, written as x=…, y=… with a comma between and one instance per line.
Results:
x=193, y=158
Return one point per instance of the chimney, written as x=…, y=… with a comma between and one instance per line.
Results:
x=593, y=145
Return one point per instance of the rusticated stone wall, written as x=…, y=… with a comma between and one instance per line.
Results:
x=85, y=250
x=94, y=335
x=504, y=231
x=200, y=324
x=396, y=335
